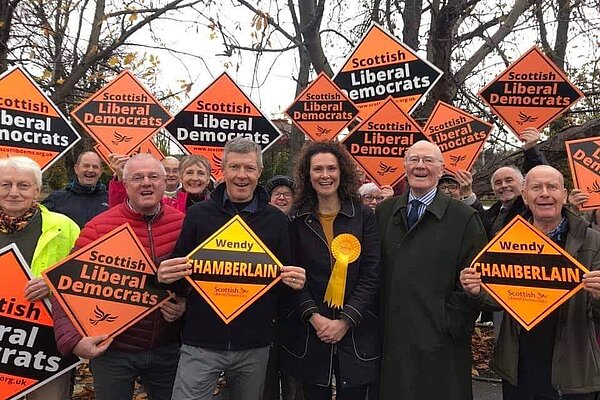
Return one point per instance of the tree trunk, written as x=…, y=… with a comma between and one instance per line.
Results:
x=7, y=9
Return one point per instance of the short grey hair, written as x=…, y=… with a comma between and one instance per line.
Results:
x=368, y=188
x=141, y=157
x=242, y=145
x=23, y=164
x=511, y=166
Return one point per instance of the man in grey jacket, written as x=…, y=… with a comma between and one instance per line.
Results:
x=559, y=357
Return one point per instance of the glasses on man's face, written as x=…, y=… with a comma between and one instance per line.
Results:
x=448, y=187
x=285, y=195
x=369, y=198
x=139, y=178
x=427, y=160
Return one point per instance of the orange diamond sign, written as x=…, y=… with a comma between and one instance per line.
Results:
x=459, y=135
x=232, y=269
x=219, y=113
x=527, y=273
x=322, y=110
x=30, y=124
x=29, y=354
x=108, y=285
x=382, y=66
x=379, y=142
x=584, y=161
x=122, y=114
x=531, y=92
x=147, y=146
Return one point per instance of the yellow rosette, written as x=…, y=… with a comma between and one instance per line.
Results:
x=346, y=249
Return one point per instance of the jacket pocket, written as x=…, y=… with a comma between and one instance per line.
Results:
x=365, y=338
x=294, y=335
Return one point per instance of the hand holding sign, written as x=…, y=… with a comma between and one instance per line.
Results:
x=173, y=309
x=294, y=277
x=530, y=137
x=116, y=162
x=36, y=289
x=91, y=346
x=591, y=283
x=174, y=269
x=470, y=280
x=577, y=197
x=465, y=181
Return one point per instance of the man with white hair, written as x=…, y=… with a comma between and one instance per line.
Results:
x=558, y=358
x=150, y=348
x=427, y=238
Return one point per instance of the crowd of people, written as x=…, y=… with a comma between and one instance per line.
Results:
x=376, y=298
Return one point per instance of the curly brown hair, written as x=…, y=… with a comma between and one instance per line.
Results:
x=306, y=194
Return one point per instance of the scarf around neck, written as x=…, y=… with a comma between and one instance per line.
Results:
x=10, y=224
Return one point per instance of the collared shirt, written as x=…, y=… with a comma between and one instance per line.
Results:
x=251, y=208
x=559, y=234
x=425, y=200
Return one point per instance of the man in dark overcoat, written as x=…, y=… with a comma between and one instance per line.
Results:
x=427, y=319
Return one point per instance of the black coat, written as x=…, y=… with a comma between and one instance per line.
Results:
x=304, y=355
x=252, y=328
x=78, y=202
x=531, y=158
x=489, y=216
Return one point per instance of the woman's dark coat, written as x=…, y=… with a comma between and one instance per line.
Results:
x=303, y=354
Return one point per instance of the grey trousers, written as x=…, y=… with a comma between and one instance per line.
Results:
x=199, y=369
x=57, y=389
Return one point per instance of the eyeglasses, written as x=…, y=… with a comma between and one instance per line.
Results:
x=450, y=187
x=139, y=178
x=173, y=171
x=369, y=198
x=285, y=195
x=427, y=160
x=6, y=187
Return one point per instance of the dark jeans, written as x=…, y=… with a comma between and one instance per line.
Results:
x=522, y=392
x=115, y=373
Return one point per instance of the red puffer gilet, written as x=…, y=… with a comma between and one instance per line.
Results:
x=158, y=236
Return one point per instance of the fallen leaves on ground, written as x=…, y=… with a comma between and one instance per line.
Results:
x=482, y=343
